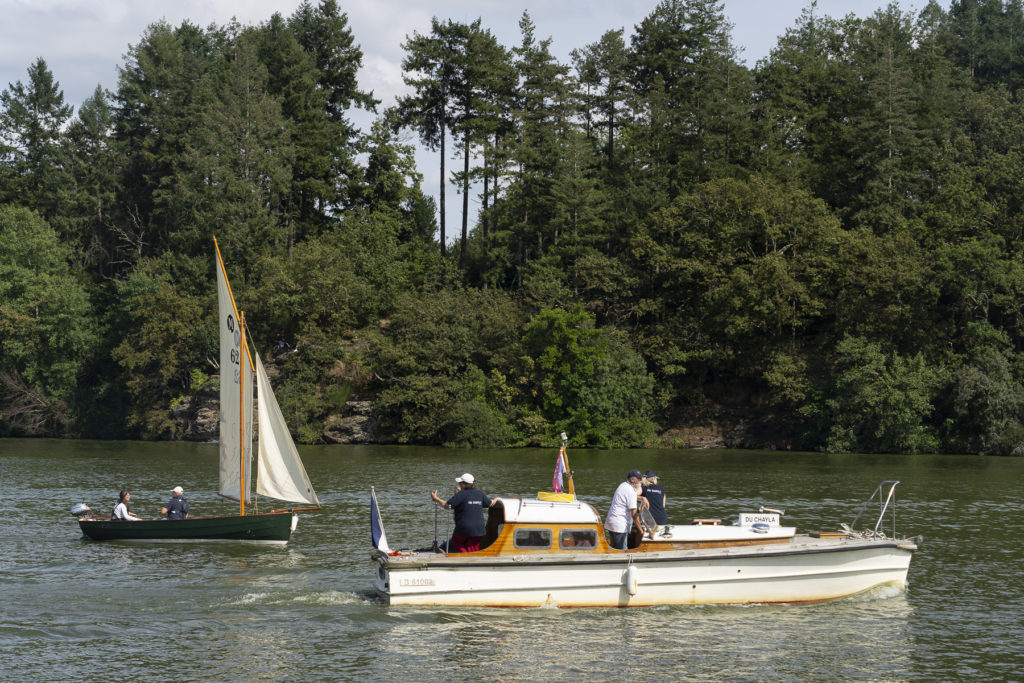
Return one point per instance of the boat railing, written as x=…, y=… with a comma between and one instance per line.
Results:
x=441, y=546
x=885, y=494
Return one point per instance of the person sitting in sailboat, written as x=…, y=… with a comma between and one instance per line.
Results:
x=121, y=511
x=468, y=503
x=177, y=506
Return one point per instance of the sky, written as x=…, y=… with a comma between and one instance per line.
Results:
x=84, y=41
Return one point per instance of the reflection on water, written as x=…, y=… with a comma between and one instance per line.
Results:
x=851, y=639
x=73, y=609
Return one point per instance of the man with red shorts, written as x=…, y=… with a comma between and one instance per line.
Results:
x=468, y=505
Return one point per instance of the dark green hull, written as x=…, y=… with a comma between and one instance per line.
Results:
x=270, y=526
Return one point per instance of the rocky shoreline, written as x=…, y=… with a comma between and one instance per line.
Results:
x=197, y=418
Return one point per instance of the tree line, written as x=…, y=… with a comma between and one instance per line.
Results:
x=821, y=251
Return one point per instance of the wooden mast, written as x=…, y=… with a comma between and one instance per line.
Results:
x=241, y=421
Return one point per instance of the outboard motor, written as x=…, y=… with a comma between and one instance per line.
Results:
x=80, y=510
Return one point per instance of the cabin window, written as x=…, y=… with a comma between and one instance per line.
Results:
x=532, y=539
x=577, y=539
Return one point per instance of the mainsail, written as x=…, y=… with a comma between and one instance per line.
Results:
x=280, y=474
x=235, y=395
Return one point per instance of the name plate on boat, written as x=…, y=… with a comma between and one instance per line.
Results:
x=752, y=518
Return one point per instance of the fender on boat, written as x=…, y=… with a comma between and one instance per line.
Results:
x=630, y=579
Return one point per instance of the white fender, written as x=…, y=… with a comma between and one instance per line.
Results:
x=631, y=579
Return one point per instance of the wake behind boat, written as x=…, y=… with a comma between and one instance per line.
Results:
x=279, y=471
x=550, y=550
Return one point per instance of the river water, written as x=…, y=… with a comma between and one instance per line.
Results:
x=78, y=610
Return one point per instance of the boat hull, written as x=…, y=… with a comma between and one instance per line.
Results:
x=806, y=570
x=270, y=527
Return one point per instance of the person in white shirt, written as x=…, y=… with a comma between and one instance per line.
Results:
x=623, y=511
x=121, y=509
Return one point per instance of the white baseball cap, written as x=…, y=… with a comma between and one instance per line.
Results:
x=465, y=478
x=178, y=490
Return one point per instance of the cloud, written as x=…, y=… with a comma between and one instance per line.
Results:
x=84, y=42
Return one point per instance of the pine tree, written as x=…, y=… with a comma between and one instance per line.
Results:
x=484, y=76
x=324, y=34
x=541, y=115
x=31, y=119
x=240, y=158
x=802, y=105
x=602, y=70
x=87, y=192
x=883, y=130
x=292, y=78
x=986, y=38
x=430, y=67
x=157, y=102
x=694, y=99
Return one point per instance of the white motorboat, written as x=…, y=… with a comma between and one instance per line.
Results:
x=551, y=550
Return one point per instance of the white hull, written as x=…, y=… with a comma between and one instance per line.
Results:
x=803, y=570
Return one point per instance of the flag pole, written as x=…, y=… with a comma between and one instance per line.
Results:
x=565, y=462
x=377, y=535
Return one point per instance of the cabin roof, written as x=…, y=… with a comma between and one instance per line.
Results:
x=533, y=511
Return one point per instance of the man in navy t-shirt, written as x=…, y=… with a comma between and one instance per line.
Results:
x=177, y=506
x=655, y=495
x=468, y=505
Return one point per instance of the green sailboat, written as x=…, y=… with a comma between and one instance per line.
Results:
x=279, y=470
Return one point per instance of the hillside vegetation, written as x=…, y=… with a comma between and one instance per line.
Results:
x=820, y=251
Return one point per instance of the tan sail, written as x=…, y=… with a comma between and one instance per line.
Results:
x=280, y=473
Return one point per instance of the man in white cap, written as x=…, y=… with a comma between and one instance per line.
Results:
x=177, y=506
x=468, y=504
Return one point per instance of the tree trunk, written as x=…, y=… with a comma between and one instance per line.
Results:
x=483, y=215
x=443, y=124
x=465, y=205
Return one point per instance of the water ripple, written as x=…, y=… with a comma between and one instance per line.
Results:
x=80, y=610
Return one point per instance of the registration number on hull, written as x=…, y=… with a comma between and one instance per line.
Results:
x=415, y=582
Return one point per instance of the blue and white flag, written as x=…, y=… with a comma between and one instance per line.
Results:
x=380, y=539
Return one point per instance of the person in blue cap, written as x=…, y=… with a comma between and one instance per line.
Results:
x=655, y=495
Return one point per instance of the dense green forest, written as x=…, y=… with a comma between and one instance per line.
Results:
x=822, y=251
